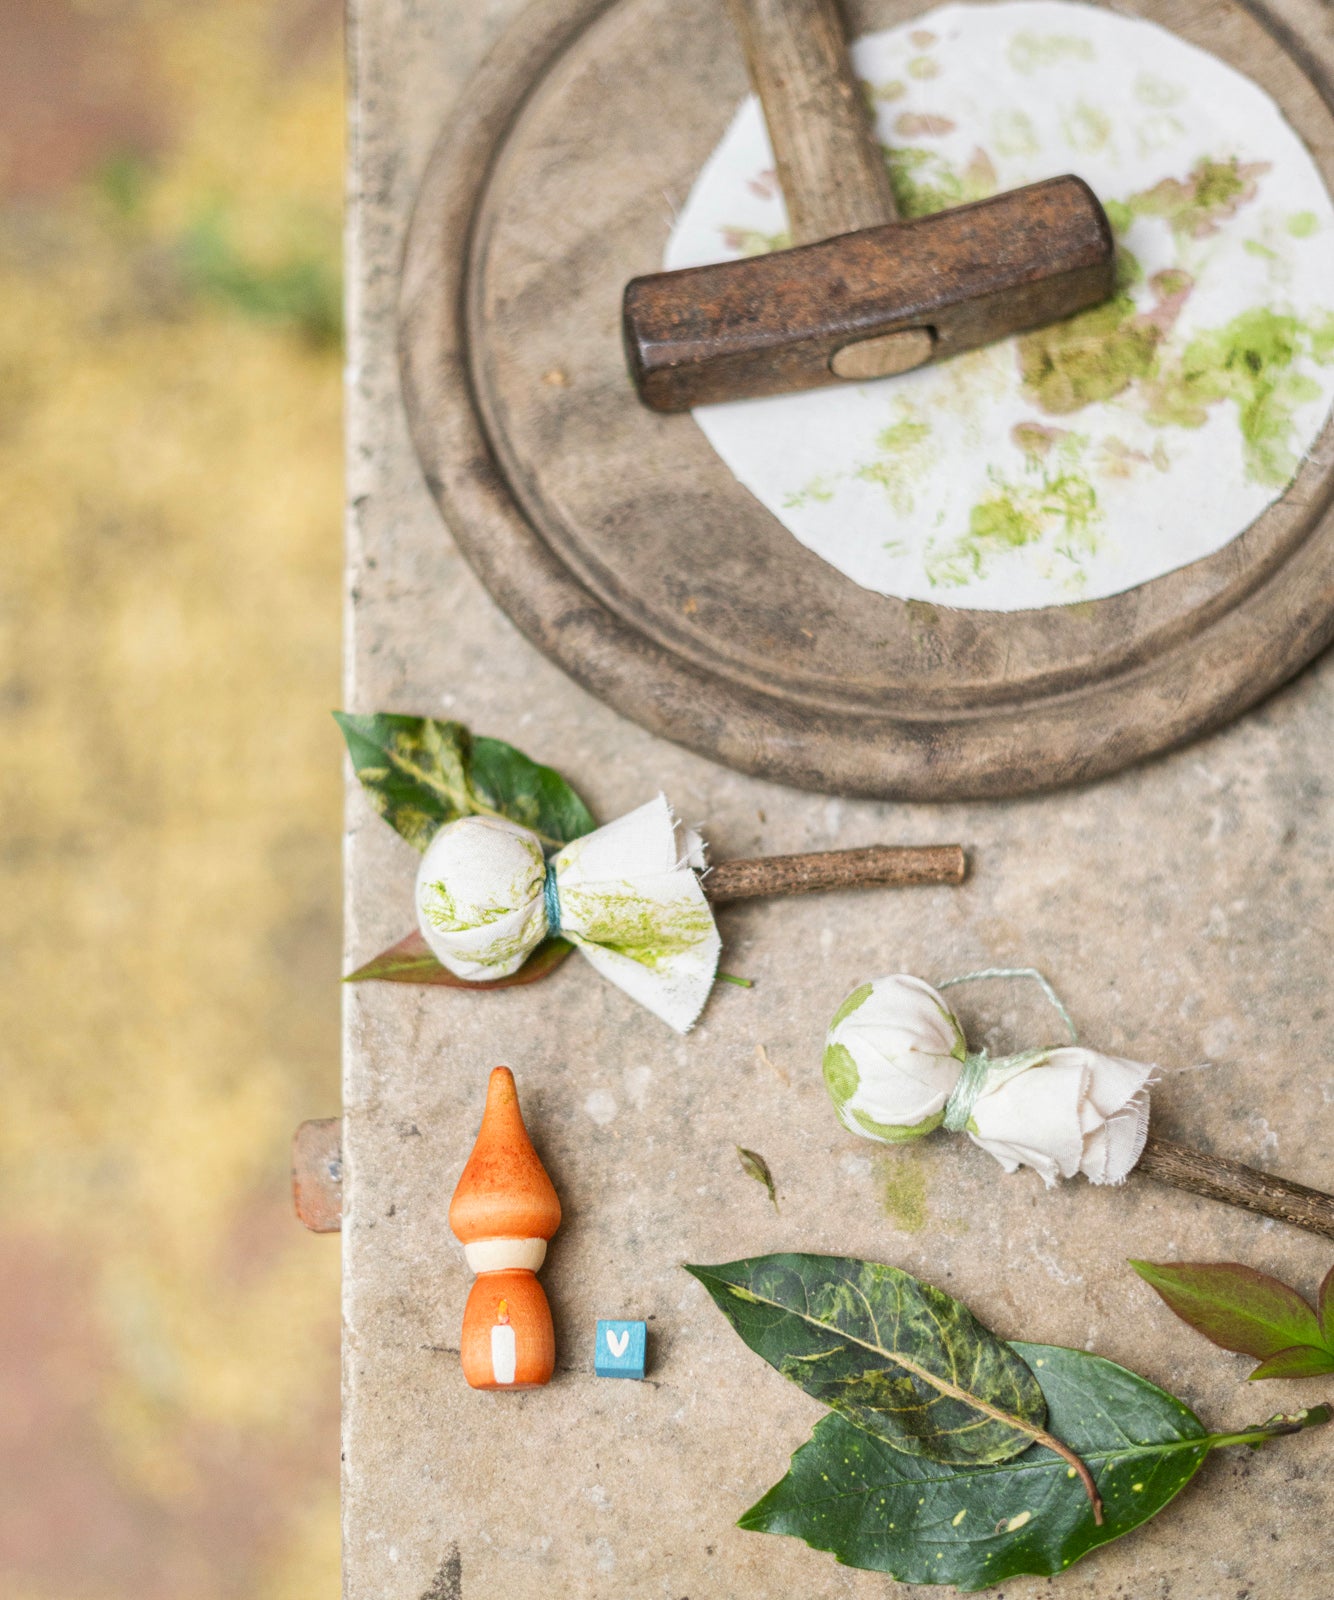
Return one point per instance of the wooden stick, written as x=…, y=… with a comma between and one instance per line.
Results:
x=877, y=866
x=1218, y=1178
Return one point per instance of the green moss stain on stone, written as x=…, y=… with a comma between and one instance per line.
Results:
x=924, y=182
x=1302, y=224
x=903, y=1192
x=1029, y=51
x=1058, y=508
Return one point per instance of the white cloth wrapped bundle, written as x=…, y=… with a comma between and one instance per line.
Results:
x=627, y=895
x=893, y=1056
x=1070, y=1110
x=897, y=1066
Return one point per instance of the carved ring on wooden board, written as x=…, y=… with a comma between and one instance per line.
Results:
x=622, y=547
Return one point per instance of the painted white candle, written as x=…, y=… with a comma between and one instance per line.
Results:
x=503, y=1353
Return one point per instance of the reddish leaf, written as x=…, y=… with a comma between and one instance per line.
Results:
x=1301, y=1361
x=1324, y=1303
x=1235, y=1306
x=411, y=961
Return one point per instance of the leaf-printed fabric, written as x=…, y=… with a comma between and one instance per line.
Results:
x=896, y=1065
x=1094, y=455
x=1072, y=1111
x=627, y=895
x=892, y=1059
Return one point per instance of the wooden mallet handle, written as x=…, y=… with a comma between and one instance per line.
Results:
x=831, y=169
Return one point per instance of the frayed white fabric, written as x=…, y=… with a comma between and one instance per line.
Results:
x=904, y=1048
x=628, y=897
x=1071, y=1111
x=895, y=1057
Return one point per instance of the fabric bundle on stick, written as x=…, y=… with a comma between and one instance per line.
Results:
x=897, y=1066
x=627, y=895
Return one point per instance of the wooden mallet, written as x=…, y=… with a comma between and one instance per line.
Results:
x=863, y=295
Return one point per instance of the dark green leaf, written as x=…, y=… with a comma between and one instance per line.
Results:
x=1301, y=1361
x=755, y=1166
x=412, y=961
x=893, y=1355
x=1325, y=1308
x=1235, y=1306
x=421, y=774
x=507, y=782
x=931, y=1522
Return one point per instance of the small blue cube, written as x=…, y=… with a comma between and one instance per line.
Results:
x=620, y=1350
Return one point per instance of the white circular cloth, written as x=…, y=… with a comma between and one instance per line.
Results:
x=1079, y=461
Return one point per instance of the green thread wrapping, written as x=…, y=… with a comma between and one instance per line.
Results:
x=1020, y=972
x=977, y=1069
x=971, y=1081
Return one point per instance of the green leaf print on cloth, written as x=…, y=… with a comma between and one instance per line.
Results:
x=1172, y=415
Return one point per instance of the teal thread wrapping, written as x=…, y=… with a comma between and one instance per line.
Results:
x=551, y=899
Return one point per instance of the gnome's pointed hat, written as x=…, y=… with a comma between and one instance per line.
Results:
x=504, y=1191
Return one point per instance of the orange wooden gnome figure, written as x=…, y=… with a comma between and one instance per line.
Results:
x=504, y=1210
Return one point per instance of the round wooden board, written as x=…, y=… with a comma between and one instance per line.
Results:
x=623, y=547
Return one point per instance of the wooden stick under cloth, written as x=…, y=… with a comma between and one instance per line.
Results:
x=878, y=866
x=1218, y=1178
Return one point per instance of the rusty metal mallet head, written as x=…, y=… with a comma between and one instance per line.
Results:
x=862, y=295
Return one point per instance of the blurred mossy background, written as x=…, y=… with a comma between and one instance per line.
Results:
x=170, y=173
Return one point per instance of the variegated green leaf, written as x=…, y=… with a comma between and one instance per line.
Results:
x=421, y=773
x=894, y=1356
x=974, y=1526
